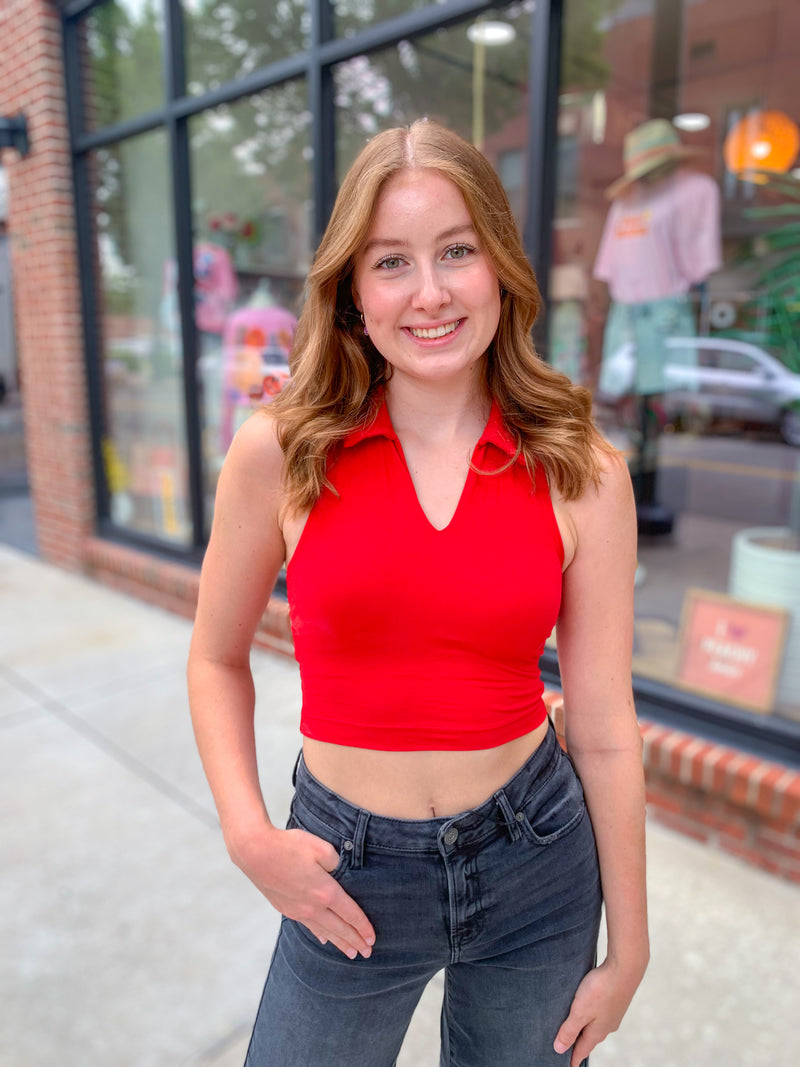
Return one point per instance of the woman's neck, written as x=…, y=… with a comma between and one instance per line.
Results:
x=438, y=414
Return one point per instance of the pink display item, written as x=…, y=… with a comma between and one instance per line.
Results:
x=661, y=239
x=215, y=286
x=256, y=343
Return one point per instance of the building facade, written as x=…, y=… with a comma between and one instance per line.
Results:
x=184, y=156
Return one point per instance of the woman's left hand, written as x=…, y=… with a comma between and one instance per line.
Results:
x=599, y=1004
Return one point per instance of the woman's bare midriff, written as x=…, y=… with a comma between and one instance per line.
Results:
x=418, y=785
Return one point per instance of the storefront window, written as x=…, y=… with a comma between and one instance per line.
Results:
x=351, y=16
x=472, y=77
x=143, y=441
x=251, y=218
x=231, y=40
x=123, y=61
x=675, y=295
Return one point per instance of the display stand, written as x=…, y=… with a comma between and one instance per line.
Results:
x=652, y=518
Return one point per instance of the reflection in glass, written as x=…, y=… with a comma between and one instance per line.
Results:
x=144, y=445
x=231, y=40
x=251, y=184
x=122, y=68
x=676, y=296
x=450, y=76
x=351, y=16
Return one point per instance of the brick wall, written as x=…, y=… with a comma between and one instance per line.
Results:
x=720, y=796
x=41, y=224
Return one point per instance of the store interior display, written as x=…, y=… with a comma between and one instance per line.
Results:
x=661, y=238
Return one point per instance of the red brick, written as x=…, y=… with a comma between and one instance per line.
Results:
x=661, y=801
x=751, y=855
x=683, y=825
x=675, y=753
x=699, y=762
x=788, y=848
x=765, y=802
x=728, y=824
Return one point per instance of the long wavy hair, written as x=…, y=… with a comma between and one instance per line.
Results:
x=336, y=370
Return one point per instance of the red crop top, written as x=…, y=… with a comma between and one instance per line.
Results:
x=412, y=638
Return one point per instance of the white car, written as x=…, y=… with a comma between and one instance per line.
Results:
x=730, y=380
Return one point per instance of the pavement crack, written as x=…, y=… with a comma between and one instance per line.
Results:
x=110, y=749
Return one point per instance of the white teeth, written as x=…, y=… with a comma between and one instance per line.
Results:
x=438, y=331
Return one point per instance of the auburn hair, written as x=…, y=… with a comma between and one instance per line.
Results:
x=336, y=370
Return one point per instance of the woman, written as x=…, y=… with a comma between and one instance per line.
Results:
x=441, y=499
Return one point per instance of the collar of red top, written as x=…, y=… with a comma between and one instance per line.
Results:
x=495, y=432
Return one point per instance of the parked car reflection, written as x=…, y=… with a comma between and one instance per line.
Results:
x=730, y=380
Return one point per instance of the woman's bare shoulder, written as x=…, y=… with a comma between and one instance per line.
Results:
x=255, y=450
x=606, y=499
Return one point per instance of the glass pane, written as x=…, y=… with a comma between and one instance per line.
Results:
x=252, y=216
x=453, y=76
x=675, y=295
x=122, y=61
x=230, y=40
x=352, y=16
x=144, y=445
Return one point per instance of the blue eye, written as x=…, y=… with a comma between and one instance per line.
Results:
x=389, y=262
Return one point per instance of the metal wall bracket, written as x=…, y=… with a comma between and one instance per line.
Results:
x=14, y=133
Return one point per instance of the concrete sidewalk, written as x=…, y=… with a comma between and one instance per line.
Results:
x=129, y=939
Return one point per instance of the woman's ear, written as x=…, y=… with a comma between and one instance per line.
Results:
x=356, y=300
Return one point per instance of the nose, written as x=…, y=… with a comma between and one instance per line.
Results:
x=431, y=290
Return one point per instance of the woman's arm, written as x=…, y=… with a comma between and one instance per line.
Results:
x=245, y=553
x=595, y=635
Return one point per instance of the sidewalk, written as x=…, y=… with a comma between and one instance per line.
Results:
x=129, y=939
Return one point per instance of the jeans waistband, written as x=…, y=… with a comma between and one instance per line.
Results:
x=497, y=813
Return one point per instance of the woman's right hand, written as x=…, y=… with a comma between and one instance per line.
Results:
x=291, y=868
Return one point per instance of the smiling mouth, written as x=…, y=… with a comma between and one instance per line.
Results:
x=436, y=331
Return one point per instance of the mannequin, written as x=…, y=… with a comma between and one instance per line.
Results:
x=661, y=238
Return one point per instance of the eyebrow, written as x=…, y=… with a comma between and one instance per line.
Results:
x=401, y=242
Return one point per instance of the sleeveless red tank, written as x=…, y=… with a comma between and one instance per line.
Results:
x=412, y=638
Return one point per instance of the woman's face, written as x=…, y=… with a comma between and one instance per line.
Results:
x=429, y=294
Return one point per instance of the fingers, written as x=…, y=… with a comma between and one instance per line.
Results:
x=581, y=1045
x=351, y=914
x=332, y=929
x=577, y=1033
x=344, y=924
x=324, y=907
x=567, y=1035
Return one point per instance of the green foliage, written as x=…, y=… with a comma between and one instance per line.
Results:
x=584, y=34
x=771, y=318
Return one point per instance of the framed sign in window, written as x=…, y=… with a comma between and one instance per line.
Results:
x=731, y=650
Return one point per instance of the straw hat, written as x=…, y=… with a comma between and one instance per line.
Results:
x=647, y=147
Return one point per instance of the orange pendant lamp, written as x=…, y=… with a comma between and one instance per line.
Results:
x=763, y=141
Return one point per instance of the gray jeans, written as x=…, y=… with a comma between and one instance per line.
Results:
x=505, y=898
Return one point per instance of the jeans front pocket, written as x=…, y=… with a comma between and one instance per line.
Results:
x=306, y=820
x=555, y=807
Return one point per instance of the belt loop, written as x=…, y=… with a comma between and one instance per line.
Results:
x=509, y=815
x=296, y=765
x=357, y=859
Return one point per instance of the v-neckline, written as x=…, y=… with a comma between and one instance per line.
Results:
x=462, y=495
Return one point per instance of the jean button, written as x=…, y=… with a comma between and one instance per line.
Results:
x=348, y=846
x=451, y=836
x=520, y=816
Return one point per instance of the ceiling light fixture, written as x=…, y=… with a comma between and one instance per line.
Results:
x=692, y=121
x=491, y=33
